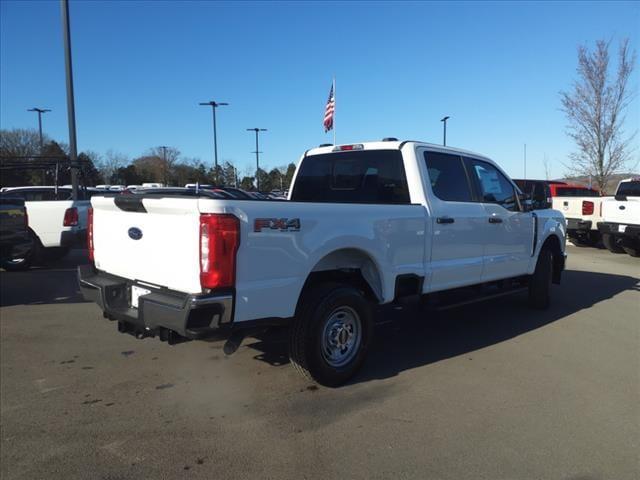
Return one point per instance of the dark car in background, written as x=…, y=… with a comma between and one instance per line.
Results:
x=16, y=240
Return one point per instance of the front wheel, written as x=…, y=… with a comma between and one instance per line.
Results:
x=540, y=281
x=331, y=334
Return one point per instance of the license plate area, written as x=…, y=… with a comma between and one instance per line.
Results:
x=622, y=228
x=136, y=293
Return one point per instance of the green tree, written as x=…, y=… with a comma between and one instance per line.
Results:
x=228, y=174
x=247, y=183
x=89, y=173
x=126, y=176
x=288, y=177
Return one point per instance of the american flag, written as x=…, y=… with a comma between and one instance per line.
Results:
x=328, y=111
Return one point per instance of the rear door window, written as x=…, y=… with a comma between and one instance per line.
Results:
x=363, y=176
x=448, y=177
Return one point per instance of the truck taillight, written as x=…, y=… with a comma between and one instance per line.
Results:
x=26, y=218
x=90, y=232
x=70, y=217
x=587, y=207
x=219, y=241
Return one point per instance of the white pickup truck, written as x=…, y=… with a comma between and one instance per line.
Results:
x=365, y=224
x=620, y=226
x=56, y=222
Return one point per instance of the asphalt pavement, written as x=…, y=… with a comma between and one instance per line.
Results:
x=488, y=391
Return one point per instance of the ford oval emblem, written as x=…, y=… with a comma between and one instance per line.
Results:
x=135, y=233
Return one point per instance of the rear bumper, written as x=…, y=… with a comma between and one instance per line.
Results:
x=164, y=313
x=631, y=232
x=578, y=225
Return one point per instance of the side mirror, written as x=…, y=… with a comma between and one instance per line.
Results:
x=529, y=203
x=526, y=203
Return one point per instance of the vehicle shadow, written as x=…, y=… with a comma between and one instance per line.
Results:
x=414, y=337
x=51, y=283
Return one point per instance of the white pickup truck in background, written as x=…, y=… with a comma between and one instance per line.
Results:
x=56, y=222
x=581, y=207
x=620, y=225
x=365, y=224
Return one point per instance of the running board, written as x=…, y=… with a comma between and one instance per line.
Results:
x=481, y=298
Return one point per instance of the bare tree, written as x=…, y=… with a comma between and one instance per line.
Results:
x=595, y=108
x=20, y=142
x=109, y=163
x=169, y=157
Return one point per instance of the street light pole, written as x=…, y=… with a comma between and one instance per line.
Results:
x=257, y=154
x=40, y=112
x=444, y=121
x=164, y=165
x=213, y=104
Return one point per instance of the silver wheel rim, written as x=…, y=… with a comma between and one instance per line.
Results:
x=15, y=261
x=341, y=336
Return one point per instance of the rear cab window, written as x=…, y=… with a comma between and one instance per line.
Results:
x=356, y=176
x=562, y=191
x=629, y=189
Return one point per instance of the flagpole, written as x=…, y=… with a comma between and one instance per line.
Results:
x=334, y=110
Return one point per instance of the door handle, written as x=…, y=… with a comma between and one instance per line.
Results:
x=495, y=220
x=444, y=220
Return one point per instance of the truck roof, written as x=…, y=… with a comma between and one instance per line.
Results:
x=395, y=145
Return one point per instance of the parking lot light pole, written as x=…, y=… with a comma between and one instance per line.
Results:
x=40, y=112
x=444, y=121
x=257, y=130
x=164, y=164
x=71, y=109
x=213, y=104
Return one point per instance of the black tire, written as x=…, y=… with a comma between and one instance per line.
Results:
x=611, y=243
x=634, y=252
x=631, y=246
x=19, y=264
x=540, y=281
x=587, y=240
x=309, y=342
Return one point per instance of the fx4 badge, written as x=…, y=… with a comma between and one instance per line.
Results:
x=282, y=224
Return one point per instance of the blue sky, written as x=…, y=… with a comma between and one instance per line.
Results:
x=142, y=67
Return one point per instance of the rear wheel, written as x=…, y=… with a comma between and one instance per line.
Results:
x=24, y=262
x=540, y=281
x=588, y=239
x=631, y=247
x=331, y=334
x=611, y=243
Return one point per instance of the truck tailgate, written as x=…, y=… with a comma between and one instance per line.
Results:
x=622, y=211
x=166, y=254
